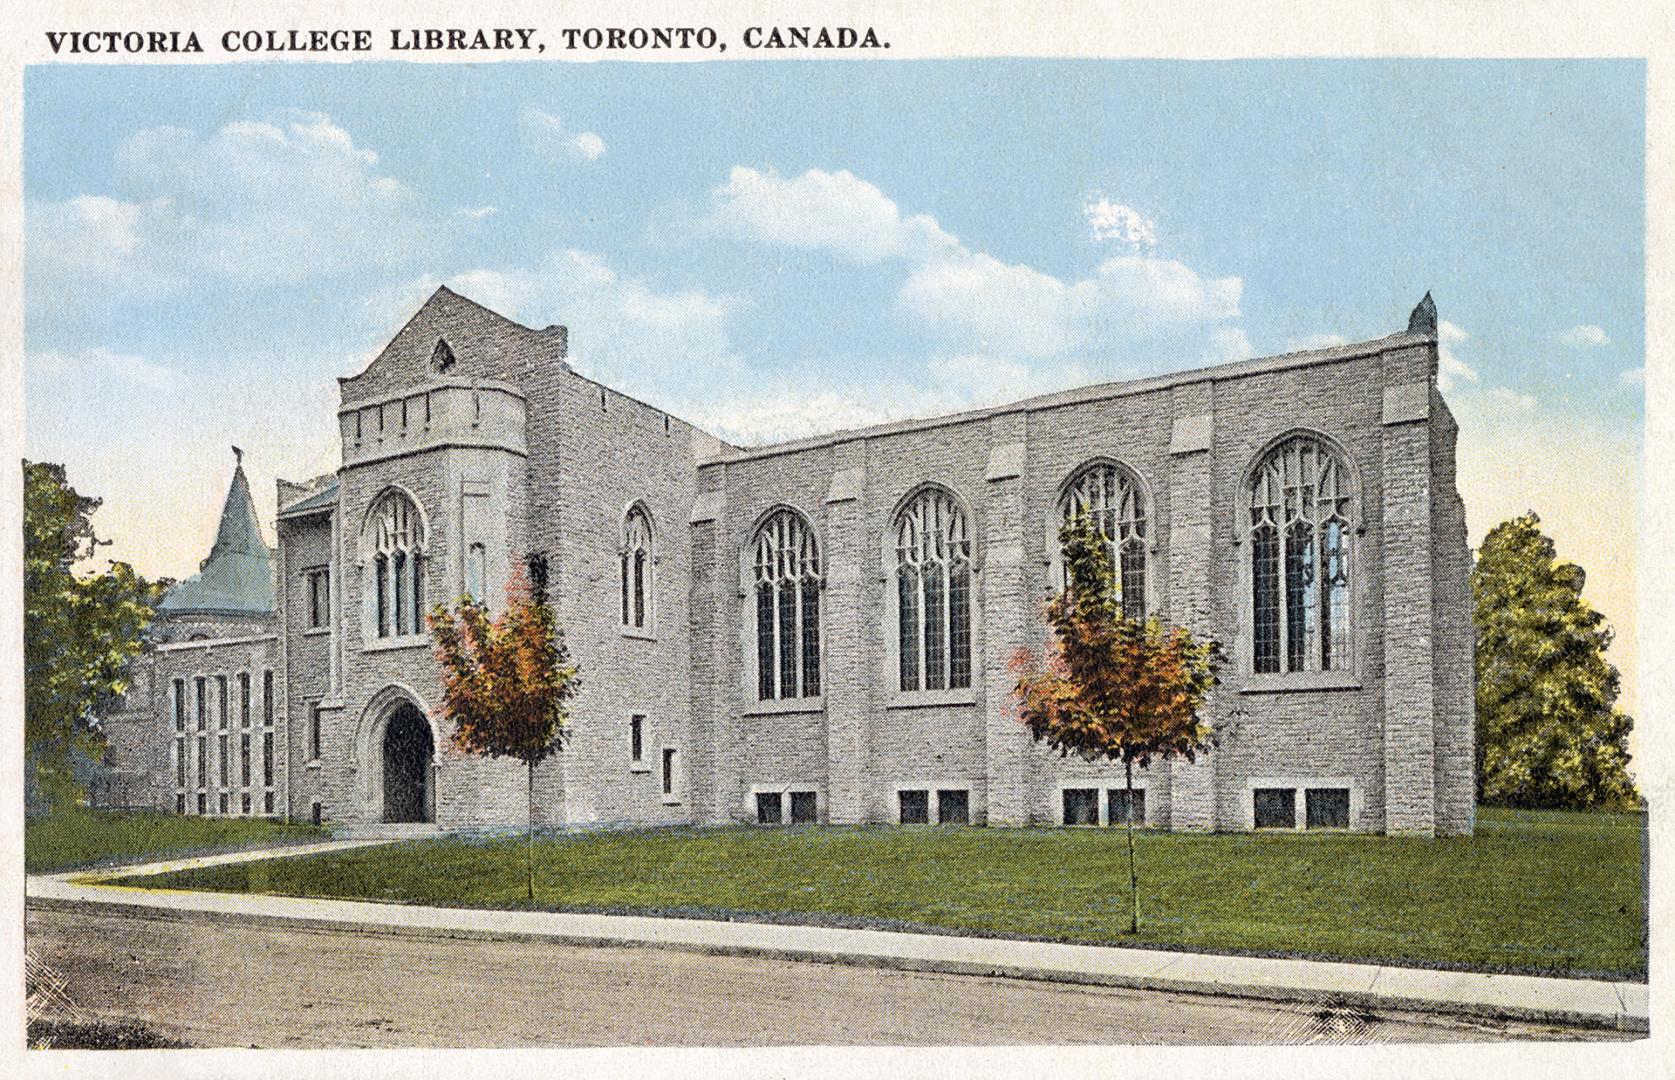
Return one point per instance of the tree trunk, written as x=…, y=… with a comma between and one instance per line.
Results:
x=1133, y=874
x=529, y=848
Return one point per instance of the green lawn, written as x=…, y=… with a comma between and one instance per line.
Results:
x=82, y=837
x=1539, y=892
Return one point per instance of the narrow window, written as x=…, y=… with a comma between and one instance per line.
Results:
x=267, y=759
x=770, y=808
x=244, y=760
x=1276, y=808
x=933, y=566
x=222, y=757
x=381, y=582
x=203, y=804
x=668, y=771
x=199, y=686
x=1326, y=808
x=244, y=803
x=1300, y=559
x=319, y=598
x=476, y=572
x=180, y=803
x=180, y=704
x=637, y=568
x=267, y=699
x=1081, y=806
x=314, y=731
x=1111, y=498
x=787, y=569
x=1117, y=809
x=953, y=807
x=418, y=593
x=636, y=739
x=244, y=698
x=222, y=803
x=398, y=571
x=180, y=763
x=203, y=763
x=222, y=718
x=314, y=813
x=805, y=808
x=267, y=802
x=915, y=807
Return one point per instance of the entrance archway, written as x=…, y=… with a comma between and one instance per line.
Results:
x=408, y=755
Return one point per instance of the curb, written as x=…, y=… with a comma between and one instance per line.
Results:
x=1624, y=1020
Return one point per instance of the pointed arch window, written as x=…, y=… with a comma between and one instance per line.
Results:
x=395, y=537
x=787, y=608
x=1300, y=502
x=636, y=565
x=1111, y=496
x=933, y=593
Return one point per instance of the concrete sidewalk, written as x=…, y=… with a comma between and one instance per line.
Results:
x=1586, y=1002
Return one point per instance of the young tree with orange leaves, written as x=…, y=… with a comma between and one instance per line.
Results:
x=1113, y=687
x=507, y=682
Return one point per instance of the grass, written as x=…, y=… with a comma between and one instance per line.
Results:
x=81, y=837
x=1541, y=892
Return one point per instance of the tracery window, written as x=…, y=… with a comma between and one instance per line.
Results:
x=396, y=536
x=1300, y=530
x=1111, y=496
x=787, y=608
x=933, y=593
x=636, y=567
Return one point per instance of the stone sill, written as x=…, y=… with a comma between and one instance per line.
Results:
x=1300, y=681
x=639, y=767
x=313, y=763
x=638, y=634
x=317, y=631
x=785, y=706
x=411, y=641
x=924, y=699
x=671, y=800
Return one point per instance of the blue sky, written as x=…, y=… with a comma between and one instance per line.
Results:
x=772, y=249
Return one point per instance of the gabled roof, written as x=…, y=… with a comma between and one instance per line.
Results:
x=323, y=499
x=237, y=578
x=471, y=339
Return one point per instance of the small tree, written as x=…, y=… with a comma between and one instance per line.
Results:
x=1549, y=733
x=1112, y=686
x=507, y=684
x=80, y=631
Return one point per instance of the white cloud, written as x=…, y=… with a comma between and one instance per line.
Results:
x=1585, y=337
x=1309, y=342
x=1123, y=224
x=543, y=133
x=588, y=145
x=1450, y=368
x=642, y=338
x=822, y=211
x=1504, y=397
x=1635, y=376
x=101, y=365
x=477, y=213
x=277, y=200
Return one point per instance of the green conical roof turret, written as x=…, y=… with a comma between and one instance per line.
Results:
x=237, y=578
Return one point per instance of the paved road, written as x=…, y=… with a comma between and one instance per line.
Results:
x=251, y=983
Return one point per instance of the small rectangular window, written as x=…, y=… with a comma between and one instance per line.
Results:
x=314, y=731
x=244, y=760
x=314, y=814
x=1081, y=806
x=244, y=698
x=915, y=807
x=199, y=686
x=180, y=762
x=223, y=804
x=318, y=592
x=203, y=804
x=244, y=807
x=223, y=758
x=1326, y=808
x=953, y=807
x=636, y=739
x=1116, y=806
x=770, y=808
x=805, y=808
x=180, y=804
x=1276, y=808
x=180, y=704
x=267, y=699
x=267, y=802
x=221, y=701
x=267, y=759
x=669, y=771
x=203, y=763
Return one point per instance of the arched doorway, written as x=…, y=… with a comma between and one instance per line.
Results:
x=408, y=754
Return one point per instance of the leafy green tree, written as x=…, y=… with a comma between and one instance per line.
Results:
x=1113, y=687
x=507, y=683
x=1549, y=733
x=79, y=631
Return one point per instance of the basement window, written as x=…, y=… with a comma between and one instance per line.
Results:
x=1117, y=806
x=953, y=806
x=1276, y=808
x=770, y=808
x=1081, y=806
x=1326, y=808
x=915, y=807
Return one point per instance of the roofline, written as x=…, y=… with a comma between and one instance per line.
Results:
x=206, y=643
x=1081, y=395
x=342, y=379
